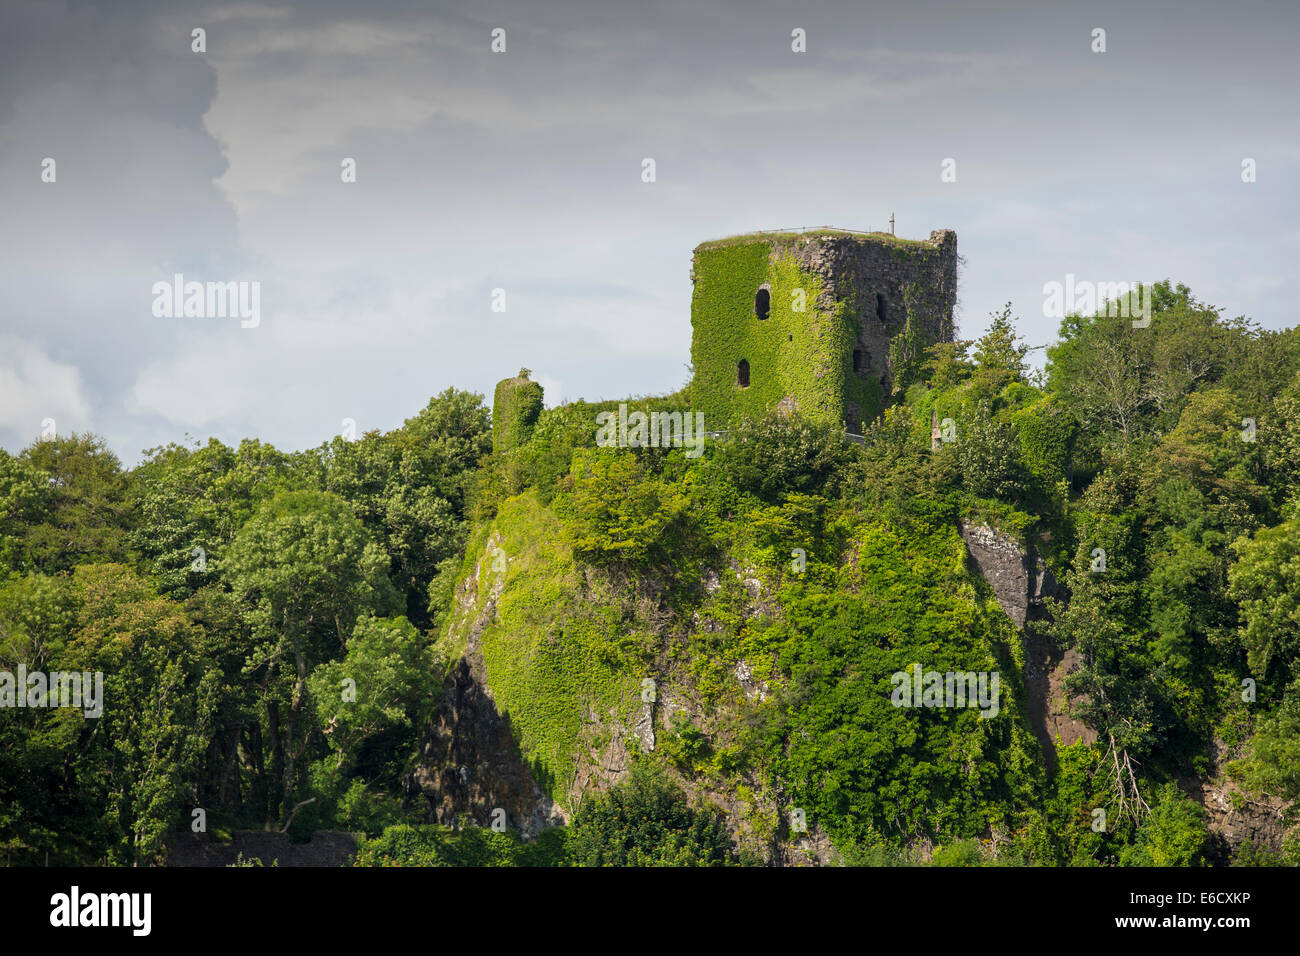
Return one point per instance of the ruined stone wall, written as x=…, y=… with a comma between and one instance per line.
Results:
x=883, y=284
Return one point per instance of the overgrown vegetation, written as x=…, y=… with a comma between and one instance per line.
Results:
x=274, y=629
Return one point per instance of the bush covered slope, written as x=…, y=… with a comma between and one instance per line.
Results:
x=632, y=656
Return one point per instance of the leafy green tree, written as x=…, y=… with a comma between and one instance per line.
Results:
x=1127, y=381
x=304, y=569
x=1279, y=443
x=84, y=511
x=647, y=821
x=37, y=815
x=1119, y=688
x=433, y=845
x=378, y=685
x=111, y=783
x=410, y=487
x=158, y=707
x=1207, y=448
x=960, y=853
x=1174, y=835
x=191, y=502
x=1265, y=583
x=999, y=352
x=618, y=514
x=25, y=495
x=988, y=456
x=782, y=454
x=947, y=364
x=1271, y=766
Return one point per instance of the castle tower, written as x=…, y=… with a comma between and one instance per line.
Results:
x=515, y=407
x=807, y=321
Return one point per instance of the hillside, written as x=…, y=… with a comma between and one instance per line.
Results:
x=1038, y=619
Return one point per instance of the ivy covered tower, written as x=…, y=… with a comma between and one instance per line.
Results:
x=826, y=322
x=515, y=407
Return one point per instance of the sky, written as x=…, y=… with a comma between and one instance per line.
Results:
x=522, y=171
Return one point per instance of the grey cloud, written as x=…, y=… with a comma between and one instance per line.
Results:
x=522, y=171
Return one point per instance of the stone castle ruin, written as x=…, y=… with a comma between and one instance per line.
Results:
x=815, y=321
x=825, y=322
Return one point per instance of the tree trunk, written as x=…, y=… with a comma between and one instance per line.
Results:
x=255, y=762
x=291, y=725
x=277, y=761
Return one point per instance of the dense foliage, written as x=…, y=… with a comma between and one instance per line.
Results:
x=275, y=630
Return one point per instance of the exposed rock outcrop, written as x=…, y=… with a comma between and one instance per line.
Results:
x=1231, y=815
x=1021, y=581
x=1019, y=578
x=470, y=763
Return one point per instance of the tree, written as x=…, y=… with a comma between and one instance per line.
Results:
x=988, y=456
x=646, y=821
x=947, y=365
x=410, y=486
x=1174, y=834
x=782, y=454
x=110, y=778
x=1265, y=583
x=1118, y=688
x=999, y=352
x=1271, y=767
x=1099, y=368
x=1130, y=380
x=1279, y=442
x=379, y=684
x=617, y=514
x=84, y=510
x=305, y=569
x=25, y=494
x=191, y=502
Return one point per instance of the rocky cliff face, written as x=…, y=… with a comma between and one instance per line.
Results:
x=1021, y=581
x=470, y=763
x=1017, y=577
x=1231, y=816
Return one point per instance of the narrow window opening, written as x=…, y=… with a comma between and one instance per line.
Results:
x=762, y=303
x=857, y=360
x=742, y=373
x=880, y=306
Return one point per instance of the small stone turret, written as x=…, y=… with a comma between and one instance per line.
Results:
x=515, y=407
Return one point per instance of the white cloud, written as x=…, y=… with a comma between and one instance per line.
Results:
x=35, y=387
x=196, y=388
